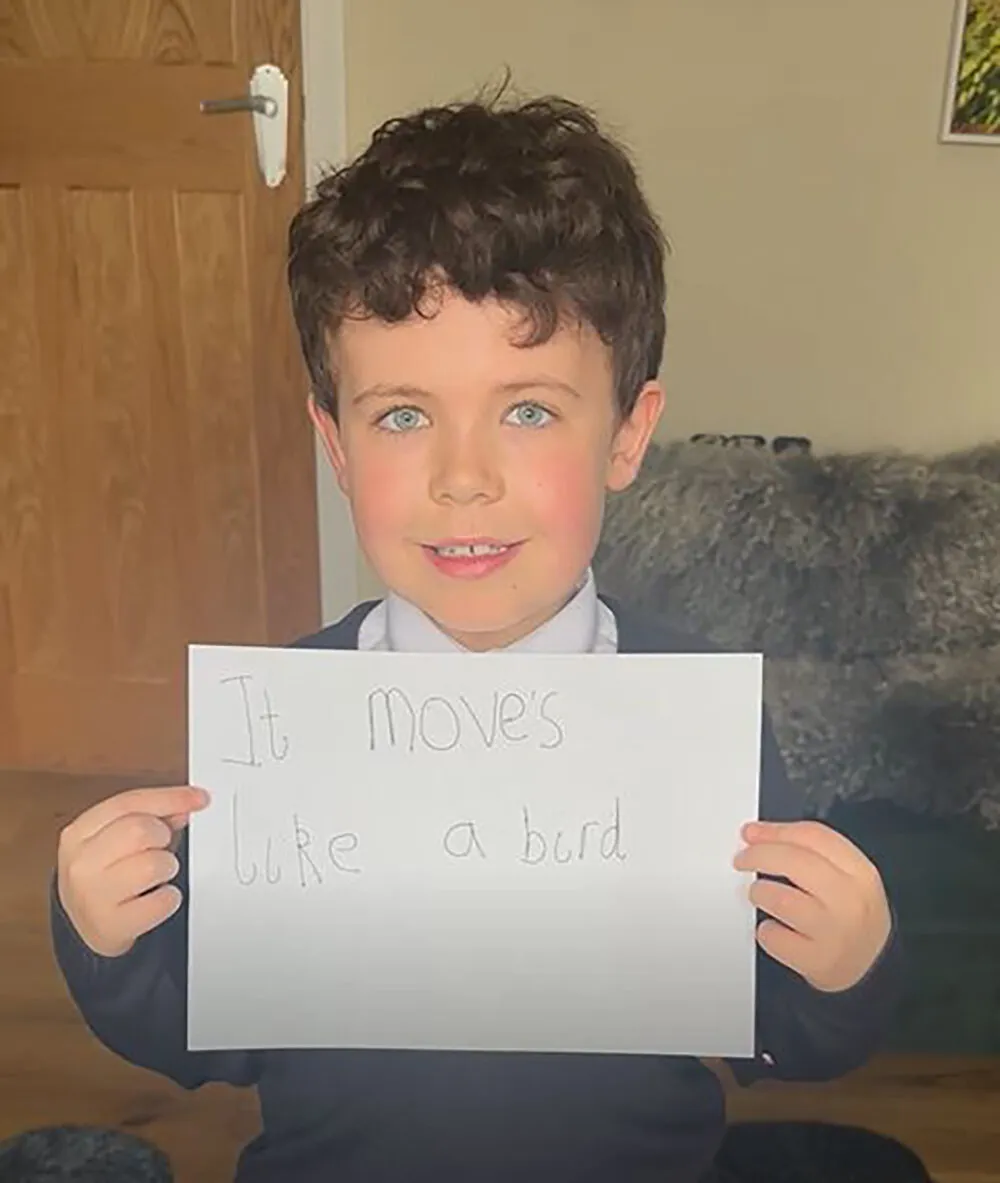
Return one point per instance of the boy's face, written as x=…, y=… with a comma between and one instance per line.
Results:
x=452, y=435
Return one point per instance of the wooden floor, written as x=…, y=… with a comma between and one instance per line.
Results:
x=53, y=1071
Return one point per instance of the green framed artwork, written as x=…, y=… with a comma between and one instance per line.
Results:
x=972, y=109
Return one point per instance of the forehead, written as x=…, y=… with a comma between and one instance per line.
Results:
x=460, y=343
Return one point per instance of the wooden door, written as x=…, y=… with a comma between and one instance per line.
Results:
x=157, y=469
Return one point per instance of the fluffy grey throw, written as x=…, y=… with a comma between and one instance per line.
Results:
x=871, y=583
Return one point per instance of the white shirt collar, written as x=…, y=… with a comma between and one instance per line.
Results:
x=584, y=625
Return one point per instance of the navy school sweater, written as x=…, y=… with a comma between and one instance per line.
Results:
x=376, y=1116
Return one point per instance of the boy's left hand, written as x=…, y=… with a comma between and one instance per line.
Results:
x=833, y=920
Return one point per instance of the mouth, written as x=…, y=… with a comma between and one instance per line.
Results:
x=472, y=549
x=471, y=558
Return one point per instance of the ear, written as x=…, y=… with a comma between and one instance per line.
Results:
x=329, y=435
x=633, y=437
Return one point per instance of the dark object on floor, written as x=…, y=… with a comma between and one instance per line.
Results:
x=81, y=1154
x=814, y=1152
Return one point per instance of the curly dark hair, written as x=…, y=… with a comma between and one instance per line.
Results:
x=531, y=204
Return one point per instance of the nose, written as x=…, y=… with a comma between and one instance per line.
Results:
x=466, y=468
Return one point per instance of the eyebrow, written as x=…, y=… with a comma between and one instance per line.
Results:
x=383, y=390
x=539, y=383
x=394, y=391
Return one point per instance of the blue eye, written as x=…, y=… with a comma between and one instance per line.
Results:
x=532, y=415
x=400, y=419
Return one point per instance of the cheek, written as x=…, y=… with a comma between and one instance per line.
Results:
x=381, y=495
x=567, y=496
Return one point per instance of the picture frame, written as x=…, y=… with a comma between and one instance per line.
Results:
x=972, y=103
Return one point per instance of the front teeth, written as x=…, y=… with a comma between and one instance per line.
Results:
x=467, y=552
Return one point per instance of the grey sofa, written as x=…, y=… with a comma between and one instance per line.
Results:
x=871, y=583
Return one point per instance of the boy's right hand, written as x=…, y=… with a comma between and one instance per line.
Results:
x=115, y=863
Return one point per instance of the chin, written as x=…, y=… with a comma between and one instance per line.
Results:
x=471, y=622
x=487, y=612
x=487, y=625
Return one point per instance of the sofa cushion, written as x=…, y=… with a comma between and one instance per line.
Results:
x=837, y=557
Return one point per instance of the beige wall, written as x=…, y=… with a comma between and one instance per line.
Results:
x=835, y=267
x=325, y=130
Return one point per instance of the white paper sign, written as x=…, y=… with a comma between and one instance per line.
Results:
x=486, y=852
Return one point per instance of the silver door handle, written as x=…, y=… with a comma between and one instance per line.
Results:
x=259, y=104
x=267, y=101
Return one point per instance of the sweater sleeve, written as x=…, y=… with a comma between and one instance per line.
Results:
x=136, y=1004
x=804, y=1034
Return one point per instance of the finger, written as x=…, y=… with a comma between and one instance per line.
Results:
x=157, y=802
x=811, y=835
x=177, y=824
x=144, y=913
x=801, y=912
x=131, y=877
x=790, y=948
x=804, y=868
x=123, y=838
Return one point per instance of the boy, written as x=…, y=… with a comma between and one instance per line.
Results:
x=480, y=302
